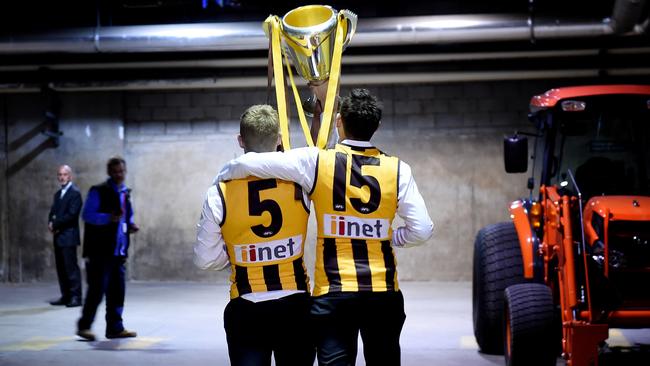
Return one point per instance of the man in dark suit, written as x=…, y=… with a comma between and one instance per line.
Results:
x=64, y=226
x=108, y=217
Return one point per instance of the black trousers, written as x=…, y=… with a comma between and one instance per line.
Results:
x=338, y=318
x=255, y=331
x=105, y=275
x=67, y=270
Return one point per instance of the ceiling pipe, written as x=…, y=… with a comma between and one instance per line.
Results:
x=249, y=35
x=436, y=29
x=470, y=29
x=377, y=59
x=346, y=80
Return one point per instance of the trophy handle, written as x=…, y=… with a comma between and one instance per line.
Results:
x=351, y=19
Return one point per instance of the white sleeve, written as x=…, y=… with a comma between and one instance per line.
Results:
x=412, y=209
x=210, y=249
x=296, y=165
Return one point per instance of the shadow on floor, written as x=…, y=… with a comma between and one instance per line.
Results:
x=638, y=355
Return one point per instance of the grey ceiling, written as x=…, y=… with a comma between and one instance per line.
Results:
x=106, y=44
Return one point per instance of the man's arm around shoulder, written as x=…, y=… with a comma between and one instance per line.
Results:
x=296, y=165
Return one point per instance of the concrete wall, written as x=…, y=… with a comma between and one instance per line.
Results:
x=91, y=124
x=175, y=143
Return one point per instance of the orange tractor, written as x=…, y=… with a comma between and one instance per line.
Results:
x=575, y=259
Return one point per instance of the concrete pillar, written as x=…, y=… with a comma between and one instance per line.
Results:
x=4, y=239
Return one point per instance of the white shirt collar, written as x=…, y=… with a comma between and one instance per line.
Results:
x=65, y=188
x=356, y=143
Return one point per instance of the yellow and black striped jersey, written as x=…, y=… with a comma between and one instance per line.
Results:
x=264, y=227
x=355, y=197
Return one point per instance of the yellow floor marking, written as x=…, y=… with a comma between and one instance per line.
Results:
x=139, y=343
x=468, y=342
x=35, y=344
x=617, y=339
x=27, y=311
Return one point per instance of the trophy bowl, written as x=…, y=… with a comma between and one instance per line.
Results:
x=308, y=35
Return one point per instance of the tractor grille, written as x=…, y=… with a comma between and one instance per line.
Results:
x=629, y=262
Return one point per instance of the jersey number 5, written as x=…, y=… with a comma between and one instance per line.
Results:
x=257, y=207
x=357, y=179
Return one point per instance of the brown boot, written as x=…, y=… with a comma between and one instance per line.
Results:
x=123, y=334
x=86, y=334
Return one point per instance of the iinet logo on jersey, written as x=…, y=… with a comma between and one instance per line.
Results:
x=355, y=228
x=269, y=251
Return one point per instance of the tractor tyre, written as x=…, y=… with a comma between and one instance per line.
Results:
x=497, y=265
x=530, y=326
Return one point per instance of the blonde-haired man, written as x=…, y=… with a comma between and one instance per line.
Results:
x=258, y=226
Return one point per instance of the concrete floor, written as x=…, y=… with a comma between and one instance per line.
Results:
x=181, y=324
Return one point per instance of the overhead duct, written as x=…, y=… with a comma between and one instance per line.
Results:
x=249, y=35
x=437, y=29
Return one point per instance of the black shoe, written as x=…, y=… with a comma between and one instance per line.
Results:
x=73, y=303
x=58, y=302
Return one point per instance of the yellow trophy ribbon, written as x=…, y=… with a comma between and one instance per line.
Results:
x=301, y=113
x=301, y=46
x=274, y=24
x=333, y=84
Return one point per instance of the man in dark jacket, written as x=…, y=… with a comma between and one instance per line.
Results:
x=64, y=226
x=108, y=217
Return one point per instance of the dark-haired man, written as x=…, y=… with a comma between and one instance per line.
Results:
x=356, y=190
x=108, y=217
x=259, y=226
